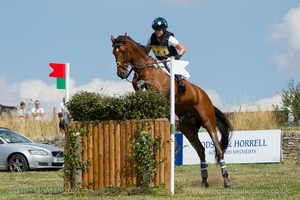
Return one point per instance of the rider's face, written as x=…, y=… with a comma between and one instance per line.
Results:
x=159, y=32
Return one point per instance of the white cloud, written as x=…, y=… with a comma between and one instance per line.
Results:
x=36, y=89
x=288, y=32
x=50, y=97
x=7, y=92
x=214, y=97
x=107, y=87
x=265, y=104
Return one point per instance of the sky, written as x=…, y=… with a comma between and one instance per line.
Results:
x=242, y=53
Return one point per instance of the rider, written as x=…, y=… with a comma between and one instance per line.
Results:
x=164, y=45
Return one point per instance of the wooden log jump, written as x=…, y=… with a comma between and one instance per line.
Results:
x=104, y=149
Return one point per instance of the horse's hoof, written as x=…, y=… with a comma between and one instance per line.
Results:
x=227, y=184
x=204, y=184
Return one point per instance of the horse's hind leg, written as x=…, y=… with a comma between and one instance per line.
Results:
x=227, y=182
x=219, y=155
x=191, y=133
x=208, y=121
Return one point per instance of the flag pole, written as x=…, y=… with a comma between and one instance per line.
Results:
x=178, y=69
x=67, y=90
x=172, y=122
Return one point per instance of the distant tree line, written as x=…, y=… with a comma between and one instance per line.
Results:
x=290, y=102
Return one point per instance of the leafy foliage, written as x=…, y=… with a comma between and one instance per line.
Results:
x=290, y=101
x=89, y=106
x=73, y=161
x=144, y=151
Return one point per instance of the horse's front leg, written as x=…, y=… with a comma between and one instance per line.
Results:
x=135, y=82
x=153, y=85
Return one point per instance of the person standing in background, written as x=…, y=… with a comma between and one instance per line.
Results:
x=37, y=111
x=62, y=123
x=63, y=109
x=22, y=112
x=62, y=106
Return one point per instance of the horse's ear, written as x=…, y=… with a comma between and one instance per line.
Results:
x=112, y=39
x=124, y=37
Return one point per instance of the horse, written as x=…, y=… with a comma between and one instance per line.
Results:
x=193, y=107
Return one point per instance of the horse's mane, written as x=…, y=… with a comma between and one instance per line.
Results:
x=120, y=39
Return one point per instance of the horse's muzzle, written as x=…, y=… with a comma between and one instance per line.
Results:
x=122, y=74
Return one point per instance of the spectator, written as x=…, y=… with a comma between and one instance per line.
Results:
x=62, y=123
x=291, y=119
x=22, y=112
x=37, y=112
x=62, y=106
x=63, y=109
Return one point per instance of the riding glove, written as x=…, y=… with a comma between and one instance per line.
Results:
x=177, y=57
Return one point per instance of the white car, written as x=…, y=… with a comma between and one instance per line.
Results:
x=18, y=153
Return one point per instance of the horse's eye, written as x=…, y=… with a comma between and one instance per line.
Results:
x=122, y=48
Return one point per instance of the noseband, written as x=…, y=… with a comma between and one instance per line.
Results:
x=127, y=63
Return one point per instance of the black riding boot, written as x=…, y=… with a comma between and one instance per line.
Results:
x=181, y=86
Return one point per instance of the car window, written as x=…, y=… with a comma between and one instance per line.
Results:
x=12, y=137
x=6, y=137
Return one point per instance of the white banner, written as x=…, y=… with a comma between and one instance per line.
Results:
x=178, y=67
x=263, y=146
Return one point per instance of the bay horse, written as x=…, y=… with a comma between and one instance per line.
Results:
x=194, y=108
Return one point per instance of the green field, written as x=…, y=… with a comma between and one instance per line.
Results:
x=250, y=181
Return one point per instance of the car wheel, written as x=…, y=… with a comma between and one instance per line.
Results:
x=18, y=163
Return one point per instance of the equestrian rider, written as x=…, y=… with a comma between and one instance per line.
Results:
x=164, y=45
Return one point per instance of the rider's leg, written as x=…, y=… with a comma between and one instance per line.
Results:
x=181, y=86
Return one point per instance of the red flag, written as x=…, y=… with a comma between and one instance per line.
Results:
x=59, y=70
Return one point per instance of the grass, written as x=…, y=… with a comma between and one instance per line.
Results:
x=30, y=127
x=250, y=181
x=259, y=120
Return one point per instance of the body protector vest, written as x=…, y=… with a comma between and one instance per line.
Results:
x=161, y=49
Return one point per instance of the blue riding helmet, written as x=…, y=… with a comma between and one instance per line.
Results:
x=159, y=23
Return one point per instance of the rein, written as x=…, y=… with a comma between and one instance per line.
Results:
x=134, y=66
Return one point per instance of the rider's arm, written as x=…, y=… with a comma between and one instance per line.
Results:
x=181, y=49
x=175, y=43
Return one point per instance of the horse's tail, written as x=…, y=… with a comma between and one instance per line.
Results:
x=224, y=127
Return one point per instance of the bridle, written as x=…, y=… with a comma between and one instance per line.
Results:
x=133, y=66
x=127, y=63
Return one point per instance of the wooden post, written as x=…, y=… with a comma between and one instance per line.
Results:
x=106, y=155
x=118, y=154
x=96, y=156
x=101, y=156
